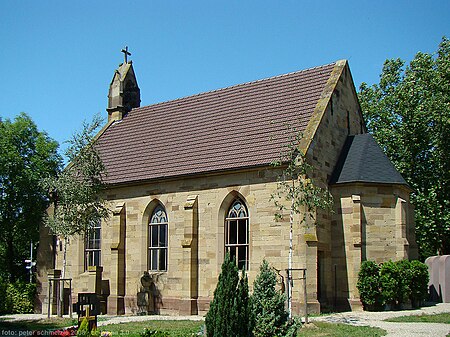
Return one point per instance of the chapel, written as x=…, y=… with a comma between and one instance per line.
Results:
x=191, y=179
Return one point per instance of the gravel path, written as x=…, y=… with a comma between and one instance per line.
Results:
x=376, y=319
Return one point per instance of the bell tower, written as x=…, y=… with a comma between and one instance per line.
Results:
x=124, y=93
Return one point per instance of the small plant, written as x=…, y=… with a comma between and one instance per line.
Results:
x=95, y=332
x=83, y=330
x=154, y=333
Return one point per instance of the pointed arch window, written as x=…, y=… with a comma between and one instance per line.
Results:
x=157, y=240
x=237, y=233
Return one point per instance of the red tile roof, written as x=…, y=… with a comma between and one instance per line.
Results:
x=225, y=129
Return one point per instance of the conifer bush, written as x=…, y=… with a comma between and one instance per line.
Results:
x=270, y=318
x=229, y=311
x=243, y=308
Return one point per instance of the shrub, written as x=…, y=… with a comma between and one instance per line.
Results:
x=419, y=278
x=243, y=308
x=268, y=306
x=369, y=286
x=224, y=317
x=404, y=290
x=18, y=297
x=390, y=283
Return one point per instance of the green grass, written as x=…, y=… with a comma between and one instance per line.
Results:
x=36, y=325
x=323, y=329
x=437, y=318
x=185, y=328
x=174, y=328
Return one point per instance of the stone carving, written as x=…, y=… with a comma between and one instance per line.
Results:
x=148, y=296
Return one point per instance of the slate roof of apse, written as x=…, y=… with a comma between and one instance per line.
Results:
x=362, y=160
x=224, y=129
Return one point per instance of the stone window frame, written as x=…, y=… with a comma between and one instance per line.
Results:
x=93, y=247
x=158, y=241
x=238, y=246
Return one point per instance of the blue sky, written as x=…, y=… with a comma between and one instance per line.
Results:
x=58, y=57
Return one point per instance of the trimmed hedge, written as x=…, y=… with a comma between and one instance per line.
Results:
x=392, y=283
x=369, y=286
x=17, y=297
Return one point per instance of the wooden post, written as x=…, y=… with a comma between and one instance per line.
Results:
x=49, y=298
x=305, y=297
x=58, y=297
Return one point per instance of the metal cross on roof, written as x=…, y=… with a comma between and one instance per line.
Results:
x=126, y=53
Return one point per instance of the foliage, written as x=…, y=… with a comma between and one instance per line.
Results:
x=95, y=332
x=17, y=297
x=27, y=155
x=419, y=278
x=83, y=330
x=243, y=308
x=408, y=113
x=295, y=184
x=154, y=333
x=227, y=308
x=76, y=192
x=392, y=283
x=268, y=306
x=369, y=286
x=405, y=280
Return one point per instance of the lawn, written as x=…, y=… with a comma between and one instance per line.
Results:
x=437, y=318
x=174, y=328
x=183, y=328
x=29, y=326
x=323, y=329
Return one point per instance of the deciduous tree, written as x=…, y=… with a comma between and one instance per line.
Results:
x=27, y=155
x=77, y=190
x=295, y=186
x=408, y=113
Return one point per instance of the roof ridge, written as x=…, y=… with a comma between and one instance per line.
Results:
x=236, y=85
